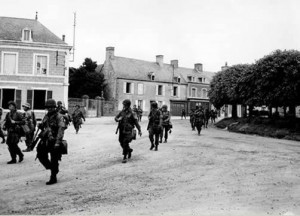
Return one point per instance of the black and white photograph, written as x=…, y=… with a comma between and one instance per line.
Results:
x=150, y=107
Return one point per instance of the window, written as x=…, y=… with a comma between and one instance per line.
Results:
x=36, y=98
x=175, y=89
x=7, y=95
x=26, y=34
x=193, y=92
x=189, y=78
x=200, y=79
x=140, y=88
x=128, y=88
x=41, y=64
x=160, y=90
x=140, y=104
x=204, y=93
x=152, y=77
x=159, y=104
x=9, y=63
x=178, y=79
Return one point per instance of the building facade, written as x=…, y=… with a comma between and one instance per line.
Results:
x=34, y=64
x=143, y=82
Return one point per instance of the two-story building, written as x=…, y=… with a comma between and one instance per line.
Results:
x=33, y=64
x=143, y=82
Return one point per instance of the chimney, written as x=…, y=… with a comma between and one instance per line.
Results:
x=160, y=60
x=198, y=67
x=63, y=37
x=36, y=15
x=224, y=67
x=110, y=53
x=174, y=63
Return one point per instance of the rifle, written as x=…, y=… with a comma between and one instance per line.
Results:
x=36, y=139
x=119, y=122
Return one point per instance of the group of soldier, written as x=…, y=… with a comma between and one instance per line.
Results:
x=48, y=138
x=158, y=127
x=200, y=117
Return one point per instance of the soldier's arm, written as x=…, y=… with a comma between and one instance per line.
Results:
x=61, y=130
x=82, y=115
x=160, y=118
x=117, y=117
x=136, y=123
x=21, y=119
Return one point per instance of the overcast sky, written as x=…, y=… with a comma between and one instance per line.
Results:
x=210, y=32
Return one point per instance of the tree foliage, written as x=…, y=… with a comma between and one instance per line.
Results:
x=273, y=80
x=86, y=81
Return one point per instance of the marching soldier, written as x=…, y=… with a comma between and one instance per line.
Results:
x=13, y=122
x=154, y=125
x=166, y=117
x=30, y=121
x=1, y=132
x=199, y=118
x=127, y=121
x=52, y=132
x=77, y=117
x=140, y=113
x=62, y=110
x=192, y=119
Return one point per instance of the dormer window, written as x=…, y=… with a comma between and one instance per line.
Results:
x=200, y=79
x=151, y=75
x=26, y=35
x=177, y=79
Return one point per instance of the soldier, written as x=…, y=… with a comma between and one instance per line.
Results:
x=30, y=121
x=13, y=122
x=206, y=117
x=135, y=110
x=183, y=114
x=52, y=127
x=166, y=117
x=77, y=117
x=140, y=113
x=1, y=132
x=127, y=121
x=62, y=110
x=192, y=119
x=154, y=125
x=199, y=118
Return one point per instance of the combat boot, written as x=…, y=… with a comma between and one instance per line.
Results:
x=152, y=146
x=129, y=153
x=52, y=180
x=13, y=161
x=21, y=158
x=165, y=141
x=156, y=148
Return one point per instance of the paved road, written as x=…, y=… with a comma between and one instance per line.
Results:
x=217, y=173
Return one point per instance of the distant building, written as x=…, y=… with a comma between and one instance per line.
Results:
x=34, y=63
x=143, y=82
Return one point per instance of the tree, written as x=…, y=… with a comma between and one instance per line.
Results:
x=86, y=81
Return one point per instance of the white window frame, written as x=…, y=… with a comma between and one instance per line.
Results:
x=193, y=88
x=35, y=55
x=138, y=87
x=23, y=35
x=2, y=62
x=162, y=90
x=204, y=96
x=131, y=90
x=177, y=92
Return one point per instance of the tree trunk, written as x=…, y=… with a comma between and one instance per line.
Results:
x=234, y=111
x=270, y=111
x=292, y=111
x=284, y=111
x=251, y=111
x=244, y=111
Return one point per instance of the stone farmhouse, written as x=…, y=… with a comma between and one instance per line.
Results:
x=143, y=82
x=33, y=64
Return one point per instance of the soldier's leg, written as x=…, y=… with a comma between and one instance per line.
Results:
x=42, y=155
x=55, y=155
x=161, y=135
x=156, y=139
x=151, y=134
x=2, y=135
x=166, y=129
x=12, y=152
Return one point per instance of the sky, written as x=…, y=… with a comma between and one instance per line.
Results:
x=210, y=32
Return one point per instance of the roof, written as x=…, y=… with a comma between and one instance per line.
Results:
x=11, y=29
x=128, y=68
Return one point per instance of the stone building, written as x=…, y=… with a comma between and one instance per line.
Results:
x=34, y=64
x=143, y=82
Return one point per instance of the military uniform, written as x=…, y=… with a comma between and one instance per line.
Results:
x=154, y=125
x=63, y=111
x=166, y=117
x=52, y=126
x=1, y=132
x=192, y=119
x=77, y=117
x=127, y=121
x=199, y=119
x=30, y=121
x=13, y=121
x=140, y=113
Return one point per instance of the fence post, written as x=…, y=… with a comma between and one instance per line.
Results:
x=98, y=107
x=85, y=99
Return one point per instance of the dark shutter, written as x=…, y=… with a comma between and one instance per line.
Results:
x=18, y=98
x=49, y=95
x=29, y=97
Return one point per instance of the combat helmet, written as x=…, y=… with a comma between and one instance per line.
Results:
x=50, y=103
x=127, y=102
x=154, y=105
